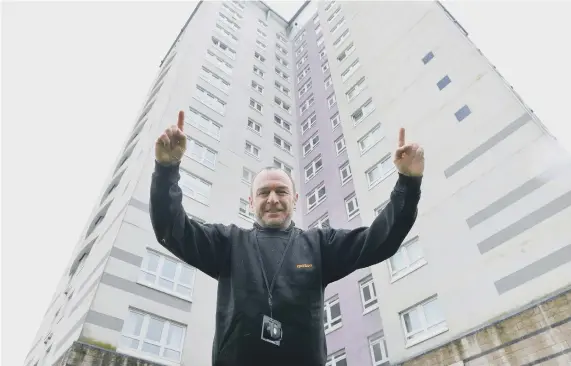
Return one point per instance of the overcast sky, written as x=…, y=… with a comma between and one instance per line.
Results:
x=74, y=75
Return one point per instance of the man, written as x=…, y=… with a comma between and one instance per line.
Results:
x=271, y=277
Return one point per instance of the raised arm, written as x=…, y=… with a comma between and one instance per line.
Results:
x=344, y=251
x=203, y=246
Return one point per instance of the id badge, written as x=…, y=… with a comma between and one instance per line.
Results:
x=271, y=331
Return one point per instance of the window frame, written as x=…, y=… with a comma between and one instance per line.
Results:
x=332, y=324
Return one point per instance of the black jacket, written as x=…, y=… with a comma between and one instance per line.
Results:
x=316, y=258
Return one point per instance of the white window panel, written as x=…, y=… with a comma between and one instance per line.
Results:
x=257, y=87
x=282, y=123
x=238, y=4
x=303, y=74
x=338, y=359
x=380, y=171
x=378, y=349
x=283, y=50
x=229, y=22
x=281, y=88
x=338, y=26
x=310, y=144
x=423, y=321
x=282, y=61
x=328, y=82
x=368, y=294
x=195, y=187
x=315, y=20
x=261, y=34
x=258, y=71
x=300, y=50
x=322, y=54
x=201, y=153
x=346, y=52
x=329, y=5
x=283, y=105
x=232, y=11
x=305, y=105
x=261, y=44
x=356, y=89
x=220, y=63
x=321, y=223
x=282, y=144
x=363, y=112
x=252, y=149
x=350, y=70
x=224, y=48
x=247, y=175
x=408, y=258
x=313, y=168
x=370, y=139
x=316, y=196
x=335, y=120
x=214, y=79
x=345, y=173
x=320, y=41
x=340, y=145
x=256, y=105
x=331, y=101
x=245, y=211
x=282, y=74
x=259, y=57
x=204, y=123
x=334, y=15
x=305, y=88
x=262, y=23
x=226, y=34
x=325, y=67
x=332, y=315
x=281, y=38
x=300, y=63
x=210, y=100
x=308, y=123
x=254, y=126
x=318, y=30
x=280, y=164
x=152, y=335
x=351, y=206
x=167, y=274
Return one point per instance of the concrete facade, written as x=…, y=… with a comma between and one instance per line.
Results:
x=495, y=194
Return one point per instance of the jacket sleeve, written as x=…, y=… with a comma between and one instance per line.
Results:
x=344, y=251
x=203, y=246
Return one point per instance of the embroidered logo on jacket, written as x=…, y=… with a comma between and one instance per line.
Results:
x=304, y=266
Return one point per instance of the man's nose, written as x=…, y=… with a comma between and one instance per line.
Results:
x=273, y=197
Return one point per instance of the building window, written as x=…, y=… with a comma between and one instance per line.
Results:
x=356, y=89
x=368, y=293
x=300, y=50
x=259, y=57
x=338, y=26
x=303, y=73
x=254, y=126
x=462, y=113
x=167, y=274
x=306, y=104
x=214, y=80
x=261, y=44
x=429, y=56
x=263, y=24
x=363, y=112
x=195, y=187
x=350, y=70
x=308, y=123
x=257, y=87
x=335, y=120
x=334, y=15
x=281, y=88
x=281, y=38
x=258, y=71
x=407, y=259
x=322, y=54
x=331, y=101
x=370, y=139
x=256, y=105
x=329, y=5
x=283, y=105
x=247, y=175
x=282, y=123
x=261, y=34
x=328, y=82
x=300, y=63
x=338, y=359
x=340, y=145
x=282, y=144
x=443, y=82
x=252, y=150
x=282, y=61
x=380, y=171
x=346, y=52
x=226, y=34
x=332, y=315
x=204, y=123
x=325, y=67
x=228, y=21
x=351, y=206
x=281, y=165
x=316, y=196
x=423, y=321
x=378, y=349
x=152, y=335
x=245, y=211
x=305, y=88
x=201, y=153
x=282, y=74
x=224, y=48
x=218, y=62
x=345, y=173
x=313, y=168
x=310, y=144
x=321, y=223
x=210, y=100
x=282, y=49
x=320, y=41
x=339, y=41
x=318, y=30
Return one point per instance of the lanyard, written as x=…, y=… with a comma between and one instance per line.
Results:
x=270, y=287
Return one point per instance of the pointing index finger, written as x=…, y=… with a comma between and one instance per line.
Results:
x=180, y=122
x=401, y=137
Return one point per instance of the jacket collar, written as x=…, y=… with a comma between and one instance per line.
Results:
x=261, y=228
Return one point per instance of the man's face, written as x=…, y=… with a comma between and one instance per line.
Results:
x=273, y=198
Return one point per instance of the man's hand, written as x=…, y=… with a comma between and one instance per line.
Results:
x=409, y=158
x=171, y=145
